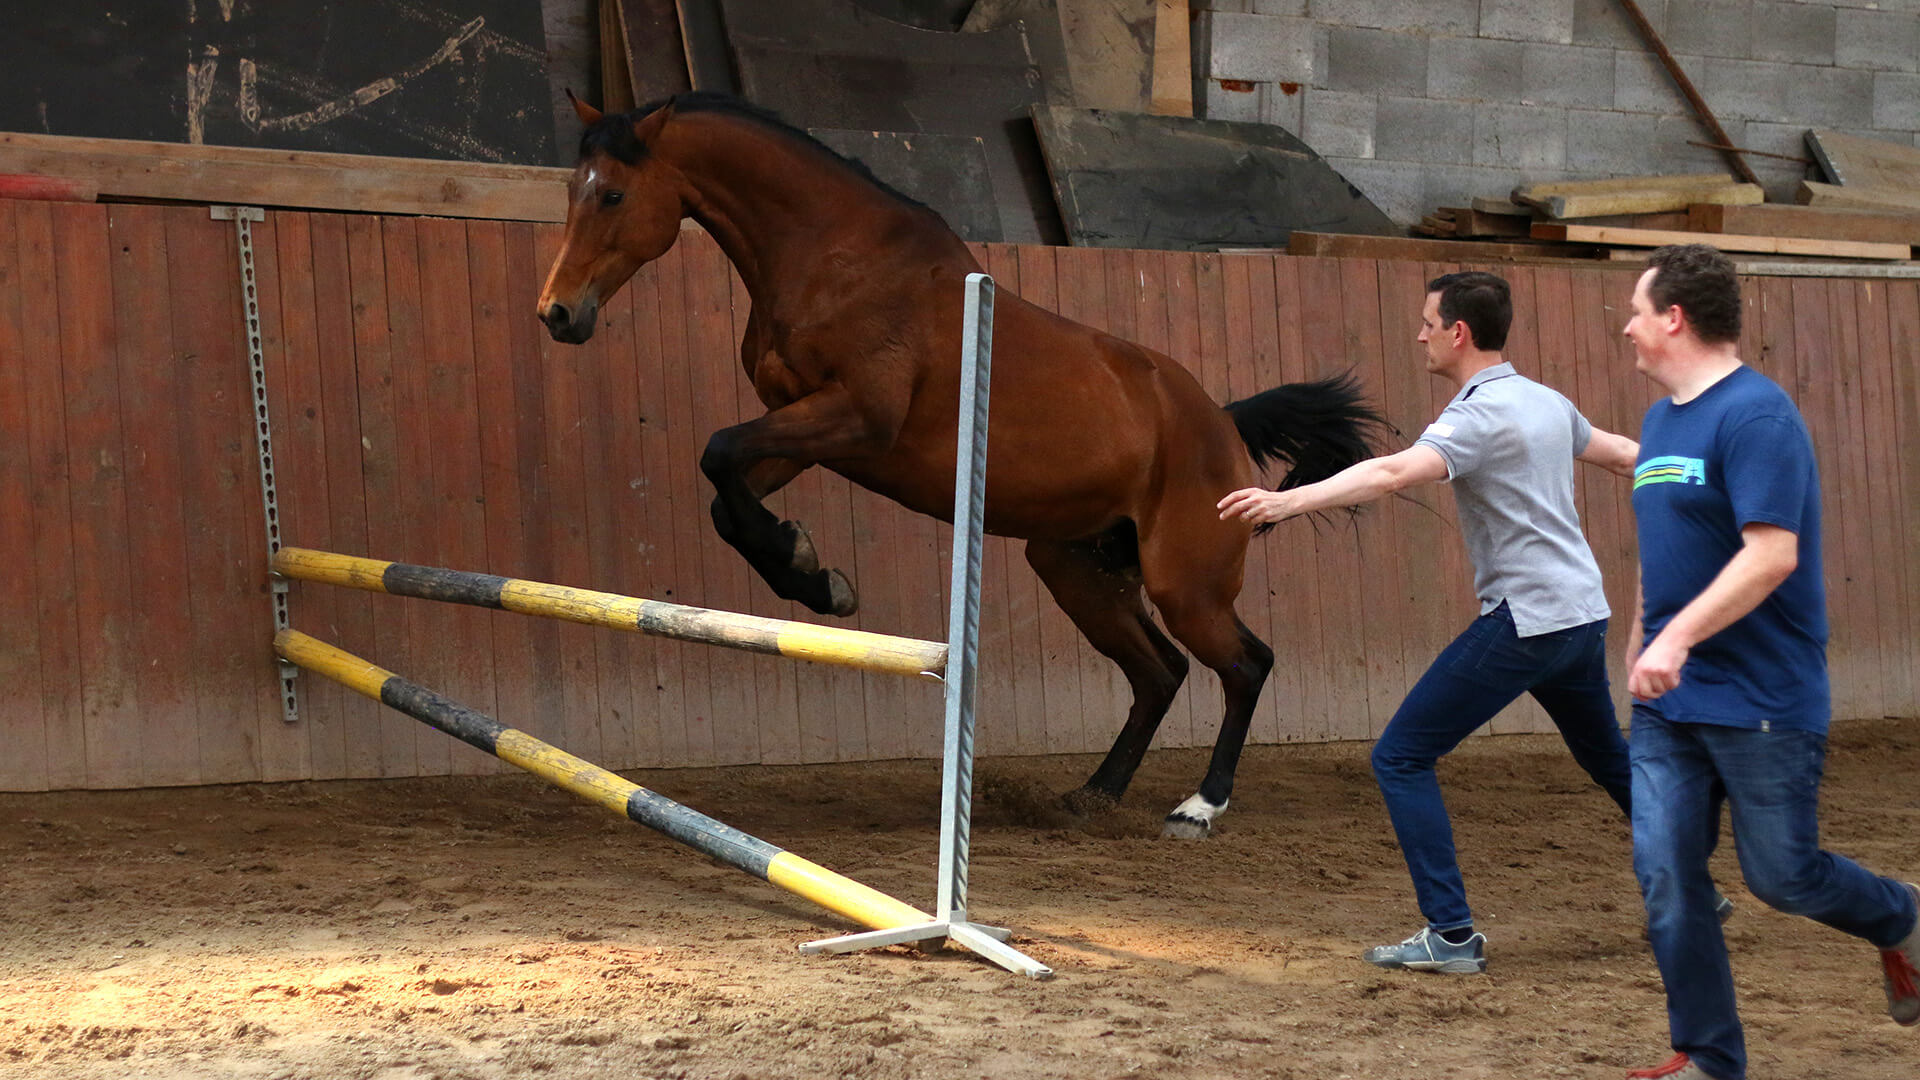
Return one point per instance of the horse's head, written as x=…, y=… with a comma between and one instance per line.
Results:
x=624, y=207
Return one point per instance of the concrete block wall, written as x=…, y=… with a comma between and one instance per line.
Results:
x=1425, y=103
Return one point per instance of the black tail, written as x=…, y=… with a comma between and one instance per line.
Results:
x=1317, y=428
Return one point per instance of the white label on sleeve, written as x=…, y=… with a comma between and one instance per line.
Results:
x=1439, y=430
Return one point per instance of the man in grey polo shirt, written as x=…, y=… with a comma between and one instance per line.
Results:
x=1508, y=445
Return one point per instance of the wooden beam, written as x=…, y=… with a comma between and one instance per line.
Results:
x=1354, y=246
x=1172, y=90
x=1613, y=184
x=129, y=169
x=1778, y=219
x=1652, y=196
x=1776, y=245
x=1700, y=109
x=1836, y=197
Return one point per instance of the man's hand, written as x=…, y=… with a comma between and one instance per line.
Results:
x=1657, y=670
x=1258, y=506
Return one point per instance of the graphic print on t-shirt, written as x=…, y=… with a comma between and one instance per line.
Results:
x=1671, y=469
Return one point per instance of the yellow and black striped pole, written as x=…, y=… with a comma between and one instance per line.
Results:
x=866, y=906
x=752, y=633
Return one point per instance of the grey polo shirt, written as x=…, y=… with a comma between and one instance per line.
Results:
x=1509, y=444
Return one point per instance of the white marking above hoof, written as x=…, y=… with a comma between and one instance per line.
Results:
x=1192, y=820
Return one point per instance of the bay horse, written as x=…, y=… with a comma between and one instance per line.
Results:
x=1105, y=457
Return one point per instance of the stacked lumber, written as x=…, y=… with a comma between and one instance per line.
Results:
x=1635, y=195
x=1864, y=174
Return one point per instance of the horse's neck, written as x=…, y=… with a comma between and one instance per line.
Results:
x=777, y=207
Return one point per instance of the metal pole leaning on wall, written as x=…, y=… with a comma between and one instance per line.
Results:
x=751, y=633
x=963, y=633
x=844, y=896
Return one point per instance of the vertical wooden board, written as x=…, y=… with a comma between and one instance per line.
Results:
x=382, y=468
x=617, y=532
x=1337, y=541
x=23, y=702
x=1207, y=362
x=1082, y=280
x=659, y=309
x=1253, y=371
x=433, y=629
x=297, y=402
x=1424, y=622
x=529, y=249
x=1380, y=586
x=1291, y=565
x=341, y=512
x=50, y=512
x=776, y=719
x=728, y=582
x=96, y=482
x=232, y=651
x=578, y=726
x=1903, y=457
x=507, y=651
x=1453, y=590
x=1903, y=332
x=1586, y=373
x=1864, y=696
x=1527, y=346
x=689, y=499
x=1044, y=281
x=925, y=577
x=166, y=730
x=1181, y=285
x=286, y=750
x=1889, y=576
x=1005, y=568
x=658, y=698
x=452, y=419
x=1815, y=363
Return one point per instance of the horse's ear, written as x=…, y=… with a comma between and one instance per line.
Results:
x=588, y=114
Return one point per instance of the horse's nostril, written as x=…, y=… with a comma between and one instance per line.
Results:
x=557, y=315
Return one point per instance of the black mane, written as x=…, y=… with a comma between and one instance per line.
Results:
x=613, y=134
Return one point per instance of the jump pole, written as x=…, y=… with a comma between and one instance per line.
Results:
x=774, y=865
x=963, y=639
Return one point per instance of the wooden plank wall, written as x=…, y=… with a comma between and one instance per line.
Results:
x=421, y=413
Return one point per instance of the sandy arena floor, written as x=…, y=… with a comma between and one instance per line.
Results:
x=488, y=928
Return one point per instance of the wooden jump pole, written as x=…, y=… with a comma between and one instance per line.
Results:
x=751, y=633
x=844, y=896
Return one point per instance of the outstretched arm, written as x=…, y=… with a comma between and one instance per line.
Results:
x=1614, y=453
x=1356, y=484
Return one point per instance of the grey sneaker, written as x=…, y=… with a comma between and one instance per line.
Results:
x=1900, y=966
x=1428, y=951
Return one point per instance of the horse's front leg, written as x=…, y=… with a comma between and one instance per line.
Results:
x=750, y=460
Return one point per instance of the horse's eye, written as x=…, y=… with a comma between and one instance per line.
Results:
x=611, y=198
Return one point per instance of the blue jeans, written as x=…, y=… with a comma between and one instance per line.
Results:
x=1485, y=669
x=1682, y=773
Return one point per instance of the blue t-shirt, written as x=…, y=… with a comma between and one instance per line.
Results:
x=1736, y=455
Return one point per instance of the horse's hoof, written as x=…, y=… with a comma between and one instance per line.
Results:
x=804, y=559
x=1088, y=802
x=841, y=599
x=1178, y=826
x=1192, y=820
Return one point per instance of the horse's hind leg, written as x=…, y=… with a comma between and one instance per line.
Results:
x=1197, y=607
x=1099, y=589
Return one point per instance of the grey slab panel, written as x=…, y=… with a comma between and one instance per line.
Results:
x=833, y=64
x=704, y=35
x=1137, y=181
x=656, y=59
x=947, y=172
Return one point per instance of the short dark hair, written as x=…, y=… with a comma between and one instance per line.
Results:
x=1480, y=298
x=1700, y=279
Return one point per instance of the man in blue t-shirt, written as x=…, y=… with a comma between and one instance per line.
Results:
x=1731, y=699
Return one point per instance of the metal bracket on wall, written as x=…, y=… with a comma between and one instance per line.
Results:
x=243, y=218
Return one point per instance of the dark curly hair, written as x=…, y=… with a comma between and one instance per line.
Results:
x=1700, y=279
x=1482, y=299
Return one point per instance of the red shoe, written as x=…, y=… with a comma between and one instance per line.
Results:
x=1681, y=1067
x=1902, y=978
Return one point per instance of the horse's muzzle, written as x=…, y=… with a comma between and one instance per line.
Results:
x=568, y=325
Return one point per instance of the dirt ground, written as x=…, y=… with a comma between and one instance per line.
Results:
x=487, y=928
